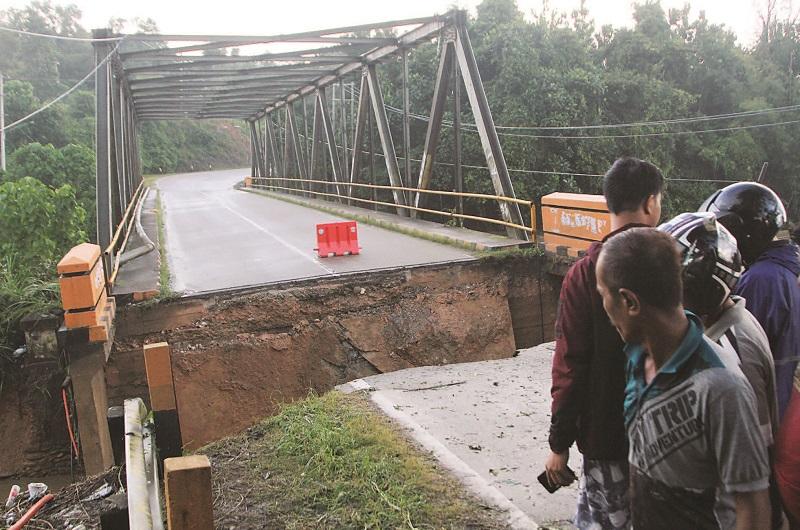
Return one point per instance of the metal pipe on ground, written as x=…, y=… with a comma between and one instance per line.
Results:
x=148, y=243
x=141, y=471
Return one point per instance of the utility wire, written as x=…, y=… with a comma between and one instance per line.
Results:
x=60, y=37
x=695, y=119
x=471, y=127
x=653, y=134
x=511, y=170
x=63, y=95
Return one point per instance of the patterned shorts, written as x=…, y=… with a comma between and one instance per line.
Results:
x=603, y=497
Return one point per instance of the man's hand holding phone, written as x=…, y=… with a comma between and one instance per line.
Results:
x=556, y=471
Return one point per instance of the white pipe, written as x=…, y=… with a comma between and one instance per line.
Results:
x=139, y=514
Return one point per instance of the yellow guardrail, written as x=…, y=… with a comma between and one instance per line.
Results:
x=529, y=229
x=125, y=225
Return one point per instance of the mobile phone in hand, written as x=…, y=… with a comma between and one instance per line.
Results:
x=544, y=481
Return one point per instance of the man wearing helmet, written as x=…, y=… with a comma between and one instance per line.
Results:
x=711, y=268
x=753, y=213
x=589, y=363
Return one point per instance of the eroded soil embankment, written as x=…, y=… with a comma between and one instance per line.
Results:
x=236, y=356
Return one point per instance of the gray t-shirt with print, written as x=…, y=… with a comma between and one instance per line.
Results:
x=697, y=435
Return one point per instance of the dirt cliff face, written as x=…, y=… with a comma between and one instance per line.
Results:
x=33, y=431
x=235, y=357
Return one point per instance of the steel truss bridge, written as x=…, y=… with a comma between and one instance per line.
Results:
x=174, y=77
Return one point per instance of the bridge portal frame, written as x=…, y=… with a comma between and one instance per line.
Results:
x=146, y=77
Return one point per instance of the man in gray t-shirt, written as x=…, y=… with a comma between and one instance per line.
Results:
x=691, y=420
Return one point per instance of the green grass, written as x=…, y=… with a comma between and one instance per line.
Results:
x=165, y=291
x=20, y=295
x=332, y=462
x=504, y=253
x=150, y=180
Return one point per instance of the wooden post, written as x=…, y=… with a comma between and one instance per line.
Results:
x=163, y=403
x=87, y=335
x=91, y=402
x=187, y=488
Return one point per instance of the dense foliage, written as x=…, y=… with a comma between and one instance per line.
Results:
x=542, y=73
x=554, y=70
x=47, y=194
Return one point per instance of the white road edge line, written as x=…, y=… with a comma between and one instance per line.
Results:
x=273, y=236
x=468, y=476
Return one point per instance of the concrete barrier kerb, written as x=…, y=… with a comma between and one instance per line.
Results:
x=574, y=221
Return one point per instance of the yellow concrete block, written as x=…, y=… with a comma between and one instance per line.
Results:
x=158, y=365
x=187, y=492
x=76, y=318
x=582, y=201
x=585, y=224
x=83, y=290
x=553, y=241
x=80, y=258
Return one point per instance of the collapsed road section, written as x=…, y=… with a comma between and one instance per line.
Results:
x=237, y=355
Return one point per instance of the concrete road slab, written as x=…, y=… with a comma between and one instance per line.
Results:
x=218, y=237
x=487, y=422
x=141, y=275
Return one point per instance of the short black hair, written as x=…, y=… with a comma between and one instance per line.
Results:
x=647, y=262
x=629, y=183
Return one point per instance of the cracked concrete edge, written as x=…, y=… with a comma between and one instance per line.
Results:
x=516, y=518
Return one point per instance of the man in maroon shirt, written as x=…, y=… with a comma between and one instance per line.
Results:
x=589, y=363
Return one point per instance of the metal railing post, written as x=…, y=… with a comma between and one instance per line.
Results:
x=103, y=142
x=486, y=128
x=390, y=156
x=406, y=122
x=435, y=123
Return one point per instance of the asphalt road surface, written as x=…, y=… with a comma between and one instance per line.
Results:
x=218, y=237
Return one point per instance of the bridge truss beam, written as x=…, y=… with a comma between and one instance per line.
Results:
x=152, y=77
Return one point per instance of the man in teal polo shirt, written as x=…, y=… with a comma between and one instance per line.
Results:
x=690, y=418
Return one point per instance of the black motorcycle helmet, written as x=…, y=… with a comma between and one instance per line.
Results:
x=751, y=211
x=711, y=263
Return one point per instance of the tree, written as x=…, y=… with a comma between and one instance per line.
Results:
x=49, y=126
x=43, y=162
x=38, y=224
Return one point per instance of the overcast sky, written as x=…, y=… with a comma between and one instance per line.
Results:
x=265, y=17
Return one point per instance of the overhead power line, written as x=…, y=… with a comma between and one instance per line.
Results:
x=472, y=128
x=63, y=95
x=60, y=37
x=651, y=134
x=511, y=170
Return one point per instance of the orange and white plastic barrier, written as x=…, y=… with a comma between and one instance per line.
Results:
x=337, y=239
